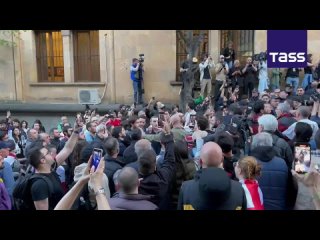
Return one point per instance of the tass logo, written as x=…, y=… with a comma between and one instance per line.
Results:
x=291, y=57
x=287, y=48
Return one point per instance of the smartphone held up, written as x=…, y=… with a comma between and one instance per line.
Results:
x=96, y=157
x=302, y=157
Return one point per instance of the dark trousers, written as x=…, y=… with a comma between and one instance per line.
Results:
x=137, y=92
x=248, y=87
x=217, y=91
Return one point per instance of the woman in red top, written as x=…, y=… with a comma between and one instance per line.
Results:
x=247, y=170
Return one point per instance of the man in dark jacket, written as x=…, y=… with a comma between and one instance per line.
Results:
x=128, y=197
x=112, y=163
x=129, y=155
x=274, y=172
x=157, y=181
x=211, y=188
x=268, y=123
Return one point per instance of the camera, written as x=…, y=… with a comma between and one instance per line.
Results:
x=262, y=56
x=141, y=57
x=315, y=97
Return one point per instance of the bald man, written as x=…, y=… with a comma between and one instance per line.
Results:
x=211, y=188
x=128, y=197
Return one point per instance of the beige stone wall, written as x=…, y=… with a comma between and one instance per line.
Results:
x=10, y=76
x=159, y=48
x=117, y=48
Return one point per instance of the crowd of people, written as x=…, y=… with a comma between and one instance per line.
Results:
x=233, y=151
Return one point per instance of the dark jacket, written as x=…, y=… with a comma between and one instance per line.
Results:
x=122, y=147
x=158, y=184
x=219, y=192
x=284, y=121
x=129, y=155
x=123, y=201
x=282, y=150
x=274, y=178
x=112, y=165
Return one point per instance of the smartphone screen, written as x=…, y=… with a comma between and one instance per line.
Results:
x=192, y=121
x=302, y=157
x=97, y=155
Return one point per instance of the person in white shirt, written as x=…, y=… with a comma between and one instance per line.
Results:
x=303, y=114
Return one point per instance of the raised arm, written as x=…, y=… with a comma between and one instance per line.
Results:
x=68, y=148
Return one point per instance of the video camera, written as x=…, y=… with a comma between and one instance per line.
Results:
x=262, y=56
x=141, y=57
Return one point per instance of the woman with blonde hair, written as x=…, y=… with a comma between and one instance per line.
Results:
x=247, y=170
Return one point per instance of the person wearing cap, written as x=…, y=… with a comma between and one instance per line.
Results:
x=6, y=172
x=211, y=188
x=5, y=201
x=205, y=74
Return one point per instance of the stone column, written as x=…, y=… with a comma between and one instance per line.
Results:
x=68, y=56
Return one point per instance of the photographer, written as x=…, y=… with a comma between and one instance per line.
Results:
x=205, y=75
x=235, y=75
x=136, y=70
x=249, y=73
x=221, y=70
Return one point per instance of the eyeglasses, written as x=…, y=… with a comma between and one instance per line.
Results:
x=44, y=156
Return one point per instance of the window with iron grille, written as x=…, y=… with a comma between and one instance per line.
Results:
x=181, y=54
x=86, y=56
x=243, y=43
x=49, y=55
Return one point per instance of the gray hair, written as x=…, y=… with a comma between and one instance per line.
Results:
x=284, y=107
x=269, y=122
x=261, y=140
x=100, y=128
x=304, y=111
x=141, y=146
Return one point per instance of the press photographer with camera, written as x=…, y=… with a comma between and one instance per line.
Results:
x=136, y=74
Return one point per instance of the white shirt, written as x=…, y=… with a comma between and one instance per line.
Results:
x=290, y=131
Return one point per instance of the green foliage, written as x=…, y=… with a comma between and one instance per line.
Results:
x=8, y=37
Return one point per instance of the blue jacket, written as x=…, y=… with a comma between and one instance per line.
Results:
x=274, y=178
x=133, y=71
x=8, y=179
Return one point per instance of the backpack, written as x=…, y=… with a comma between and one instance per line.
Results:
x=22, y=199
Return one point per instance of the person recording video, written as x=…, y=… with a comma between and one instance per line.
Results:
x=136, y=74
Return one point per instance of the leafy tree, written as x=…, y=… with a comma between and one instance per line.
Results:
x=192, y=44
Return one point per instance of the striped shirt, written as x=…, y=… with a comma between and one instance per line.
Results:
x=253, y=194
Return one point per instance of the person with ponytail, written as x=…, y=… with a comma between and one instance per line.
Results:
x=247, y=170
